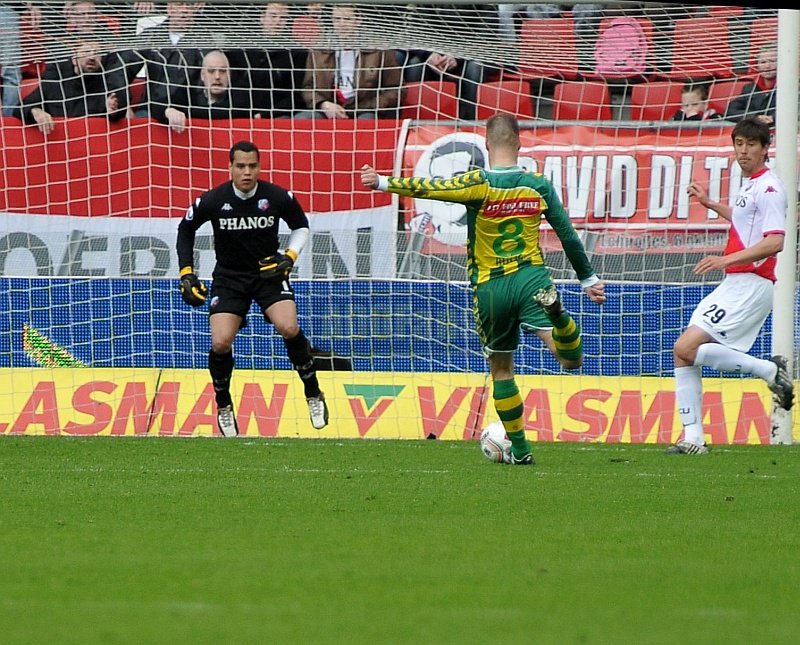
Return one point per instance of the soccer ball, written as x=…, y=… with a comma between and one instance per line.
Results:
x=495, y=444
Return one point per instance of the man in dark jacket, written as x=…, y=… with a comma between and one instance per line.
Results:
x=758, y=97
x=212, y=99
x=75, y=87
x=271, y=78
x=172, y=53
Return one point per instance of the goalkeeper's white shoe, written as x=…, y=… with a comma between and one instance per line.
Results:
x=318, y=411
x=684, y=447
x=226, y=420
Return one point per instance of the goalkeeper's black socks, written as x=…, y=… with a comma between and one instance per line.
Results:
x=221, y=368
x=299, y=351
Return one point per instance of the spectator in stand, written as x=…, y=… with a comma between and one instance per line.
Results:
x=83, y=21
x=172, y=53
x=694, y=104
x=213, y=99
x=343, y=82
x=272, y=77
x=10, y=59
x=422, y=65
x=76, y=87
x=477, y=23
x=758, y=97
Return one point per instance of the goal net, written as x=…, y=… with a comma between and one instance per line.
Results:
x=95, y=339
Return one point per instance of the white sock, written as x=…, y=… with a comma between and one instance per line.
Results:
x=726, y=359
x=689, y=397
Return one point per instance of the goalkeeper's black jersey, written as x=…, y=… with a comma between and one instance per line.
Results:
x=245, y=230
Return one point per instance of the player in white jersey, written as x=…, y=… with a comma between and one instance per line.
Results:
x=725, y=324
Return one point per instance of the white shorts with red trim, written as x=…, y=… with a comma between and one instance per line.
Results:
x=734, y=312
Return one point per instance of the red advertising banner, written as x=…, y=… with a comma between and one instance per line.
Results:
x=627, y=185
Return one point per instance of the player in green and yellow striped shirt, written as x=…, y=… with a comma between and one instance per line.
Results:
x=512, y=287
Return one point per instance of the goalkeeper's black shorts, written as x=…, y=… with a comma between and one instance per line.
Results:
x=233, y=292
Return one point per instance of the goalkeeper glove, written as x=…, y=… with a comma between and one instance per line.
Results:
x=193, y=291
x=278, y=266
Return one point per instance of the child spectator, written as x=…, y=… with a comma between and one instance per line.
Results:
x=694, y=104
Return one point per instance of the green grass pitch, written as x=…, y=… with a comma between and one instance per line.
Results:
x=147, y=540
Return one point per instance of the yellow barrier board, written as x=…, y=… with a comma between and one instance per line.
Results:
x=110, y=401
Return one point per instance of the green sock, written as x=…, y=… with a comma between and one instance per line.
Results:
x=508, y=404
x=567, y=337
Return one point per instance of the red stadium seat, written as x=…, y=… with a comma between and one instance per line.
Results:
x=27, y=85
x=655, y=101
x=307, y=31
x=762, y=31
x=508, y=96
x=721, y=92
x=581, y=101
x=112, y=22
x=430, y=100
x=721, y=11
x=701, y=49
x=548, y=49
x=33, y=49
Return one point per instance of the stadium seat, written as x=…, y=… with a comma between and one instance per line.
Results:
x=548, y=49
x=27, y=85
x=722, y=11
x=655, y=101
x=112, y=22
x=581, y=101
x=508, y=96
x=307, y=31
x=701, y=49
x=762, y=31
x=647, y=28
x=721, y=92
x=430, y=100
x=33, y=50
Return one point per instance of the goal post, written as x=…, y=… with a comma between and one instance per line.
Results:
x=94, y=338
x=784, y=329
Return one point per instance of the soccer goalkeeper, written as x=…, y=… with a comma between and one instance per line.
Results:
x=244, y=214
x=512, y=287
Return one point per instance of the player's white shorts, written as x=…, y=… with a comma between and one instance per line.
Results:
x=735, y=311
